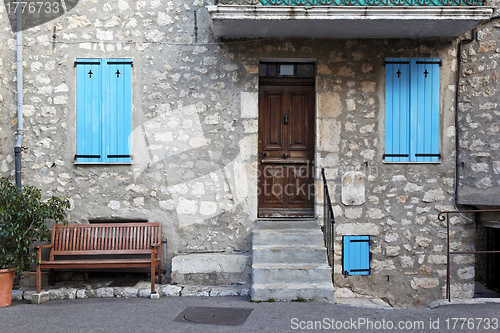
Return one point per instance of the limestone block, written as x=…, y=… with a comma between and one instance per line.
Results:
x=27, y=295
x=406, y=262
x=424, y=283
x=353, y=213
x=467, y=259
x=437, y=259
x=196, y=291
x=357, y=229
x=55, y=294
x=105, y=292
x=129, y=292
x=353, y=188
x=211, y=268
x=329, y=105
x=433, y=195
x=170, y=290
x=39, y=298
x=329, y=135
x=422, y=241
x=17, y=295
x=249, y=105
x=392, y=251
x=224, y=291
x=466, y=273
x=375, y=214
x=81, y=293
x=459, y=290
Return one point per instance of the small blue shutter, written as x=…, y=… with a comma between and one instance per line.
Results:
x=424, y=144
x=117, y=105
x=88, y=110
x=397, y=110
x=356, y=255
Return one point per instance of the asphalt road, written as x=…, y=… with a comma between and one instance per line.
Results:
x=148, y=315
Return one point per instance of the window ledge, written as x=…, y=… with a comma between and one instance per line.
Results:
x=100, y=163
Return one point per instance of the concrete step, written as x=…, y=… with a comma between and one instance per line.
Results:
x=288, y=254
x=287, y=237
x=299, y=224
x=289, y=261
x=289, y=273
x=290, y=292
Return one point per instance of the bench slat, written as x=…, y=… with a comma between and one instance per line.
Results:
x=105, y=239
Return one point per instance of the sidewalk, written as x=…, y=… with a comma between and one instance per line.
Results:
x=120, y=314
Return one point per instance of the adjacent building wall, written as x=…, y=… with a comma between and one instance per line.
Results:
x=194, y=141
x=479, y=116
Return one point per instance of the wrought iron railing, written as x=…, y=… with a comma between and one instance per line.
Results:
x=328, y=221
x=412, y=3
x=445, y=216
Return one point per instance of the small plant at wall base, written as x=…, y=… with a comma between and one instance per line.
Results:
x=23, y=217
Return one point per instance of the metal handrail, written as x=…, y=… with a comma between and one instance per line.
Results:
x=353, y=3
x=328, y=222
x=442, y=217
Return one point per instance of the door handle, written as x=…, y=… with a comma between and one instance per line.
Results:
x=286, y=155
x=263, y=154
x=285, y=119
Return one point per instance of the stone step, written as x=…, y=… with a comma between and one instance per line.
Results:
x=290, y=292
x=289, y=273
x=299, y=224
x=287, y=237
x=288, y=254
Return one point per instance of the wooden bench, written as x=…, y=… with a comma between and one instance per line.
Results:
x=116, y=239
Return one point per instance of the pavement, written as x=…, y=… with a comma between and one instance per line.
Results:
x=191, y=313
x=121, y=314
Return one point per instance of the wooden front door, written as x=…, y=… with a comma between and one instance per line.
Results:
x=286, y=150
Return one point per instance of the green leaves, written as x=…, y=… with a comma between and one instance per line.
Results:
x=23, y=217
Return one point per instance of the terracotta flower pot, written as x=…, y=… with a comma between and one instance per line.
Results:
x=6, y=282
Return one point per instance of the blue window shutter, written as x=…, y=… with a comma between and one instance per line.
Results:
x=88, y=110
x=117, y=102
x=397, y=110
x=356, y=255
x=424, y=142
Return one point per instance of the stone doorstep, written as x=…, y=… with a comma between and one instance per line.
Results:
x=141, y=289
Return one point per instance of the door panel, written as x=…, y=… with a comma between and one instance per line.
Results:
x=272, y=184
x=298, y=136
x=286, y=151
x=273, y=134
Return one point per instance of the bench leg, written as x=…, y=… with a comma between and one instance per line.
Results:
x=38, y=279
x=52, y=277
x=152, y=278
x=159, y=274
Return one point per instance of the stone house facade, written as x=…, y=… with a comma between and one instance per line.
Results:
x=193, y=139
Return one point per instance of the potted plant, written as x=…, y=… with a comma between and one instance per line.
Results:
x=23, y=217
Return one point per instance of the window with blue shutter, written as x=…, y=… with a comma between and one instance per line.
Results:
x=356, y=255
x=412, y=110
x=103, y=110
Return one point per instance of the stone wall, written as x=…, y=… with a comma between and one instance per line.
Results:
x=479, y=117
x=194, y=140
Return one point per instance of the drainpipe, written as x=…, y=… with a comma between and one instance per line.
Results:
x=457, y=127
x=20, y=131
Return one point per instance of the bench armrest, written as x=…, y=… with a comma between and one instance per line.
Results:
x=155, y=245
x=48, y=246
